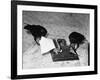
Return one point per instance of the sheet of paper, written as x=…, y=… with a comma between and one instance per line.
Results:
x=46, y=45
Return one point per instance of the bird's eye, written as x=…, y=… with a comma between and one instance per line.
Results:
x=42, y=30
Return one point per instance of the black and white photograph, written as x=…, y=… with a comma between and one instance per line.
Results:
x=54, y=39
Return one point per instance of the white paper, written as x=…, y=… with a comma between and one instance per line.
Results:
x=46, y=45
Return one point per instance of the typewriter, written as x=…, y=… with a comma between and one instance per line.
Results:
x=63, y=52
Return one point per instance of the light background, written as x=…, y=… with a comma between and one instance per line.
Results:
x=5, y=29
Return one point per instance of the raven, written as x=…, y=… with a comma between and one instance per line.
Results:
x=37, y=31
x=76, y=39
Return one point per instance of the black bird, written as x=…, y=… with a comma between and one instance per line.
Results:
x=76, y=39
x=37, y=31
